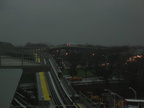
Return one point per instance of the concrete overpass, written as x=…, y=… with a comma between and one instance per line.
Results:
x=34, y=60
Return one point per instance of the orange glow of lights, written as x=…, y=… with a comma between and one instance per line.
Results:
x=134, y=58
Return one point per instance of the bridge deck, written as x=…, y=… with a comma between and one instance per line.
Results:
x=7, y=62
x=11, y=61
x=9, y=80
x=42, y=87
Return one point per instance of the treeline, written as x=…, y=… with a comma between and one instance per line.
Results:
x=126, y=62
x=35, y=45
x=122, y=62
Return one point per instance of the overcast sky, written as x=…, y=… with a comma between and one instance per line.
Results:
x=98, y=22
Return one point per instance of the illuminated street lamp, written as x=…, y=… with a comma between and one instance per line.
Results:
x=134, y=92
x=115, y=94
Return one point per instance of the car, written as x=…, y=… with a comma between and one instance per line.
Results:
x=67, y=76
x=75, y=78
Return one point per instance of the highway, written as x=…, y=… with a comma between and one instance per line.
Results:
x=53, y=90
x=61, y=92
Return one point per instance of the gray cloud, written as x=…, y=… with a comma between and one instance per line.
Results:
x=102, y=22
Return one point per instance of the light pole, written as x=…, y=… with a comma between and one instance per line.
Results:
x=111, y=94
x=134, y=92
x=105, y=57
x=115, y=94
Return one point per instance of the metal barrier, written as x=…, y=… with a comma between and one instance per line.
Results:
x=16, y=61
x=69, y=88
x=20, y=56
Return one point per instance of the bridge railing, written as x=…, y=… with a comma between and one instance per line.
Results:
x=17, y=61
x=69, y=88
x=20, y=57
x=56, y=74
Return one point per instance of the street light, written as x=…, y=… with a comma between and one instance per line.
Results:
x=111, y=94
x=134, y=92
x=105, y=57
x=115, y=94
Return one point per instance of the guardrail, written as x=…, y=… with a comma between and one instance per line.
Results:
x=22, y=54
x=17, y=61
x=69, y=88
x=86, y=83
x=56, y=74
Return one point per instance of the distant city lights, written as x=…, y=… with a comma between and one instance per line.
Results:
x=93, y=54
x=66, y=53
x=105, y=64
x=131, y=59
x=68, y=44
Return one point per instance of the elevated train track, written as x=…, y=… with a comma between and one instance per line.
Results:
x=58, y=95
x=52, y=87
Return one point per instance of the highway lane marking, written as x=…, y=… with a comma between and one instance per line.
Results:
x=37, y=58
x=44, y=86
x=43, y=82
x=79, y=105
